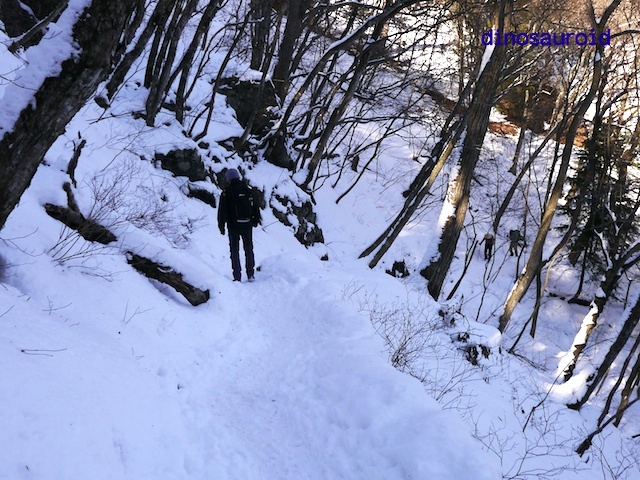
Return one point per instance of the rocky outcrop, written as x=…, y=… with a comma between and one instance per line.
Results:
x=184, y=163
x=245, y=98
x=300, y=217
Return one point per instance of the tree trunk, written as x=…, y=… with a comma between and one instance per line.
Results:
x=97, y=33
x=167, y=275
x=618, y=382
x=630, y=323
x=160, y=84
x=534, y=262
x=460, y=187
x=422, y=183
x=632, y=382
x=216, y=85
x=165, y=23
x=158, y=17
x=535, y=259
x=15, y=18
x=608, y=285
x=260, y=28
x=425, y=180
x=344, y=44
x=359, y=67
x=293, y=29
x=187, y=60
x=88, y=228
x=514, y=186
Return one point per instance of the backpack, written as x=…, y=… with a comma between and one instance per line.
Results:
x=243, y=207
x=514, y=235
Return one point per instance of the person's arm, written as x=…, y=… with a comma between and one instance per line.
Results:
x=222, y=212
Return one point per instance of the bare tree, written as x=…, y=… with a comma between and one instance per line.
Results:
x=98, y=33
x=292, y=31
x=459, y=187
x=158, y=18
x=534, y=262
x=160, y=64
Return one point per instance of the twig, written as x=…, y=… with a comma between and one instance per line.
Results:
x=46, y=353
x=137, y=312
x=53, y=309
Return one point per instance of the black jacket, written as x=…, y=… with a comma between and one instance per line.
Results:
x=228, y=199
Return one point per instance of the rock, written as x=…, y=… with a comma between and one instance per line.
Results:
x=202, y=195
x=244, y=97
x=184, y=163
x=307, y=232
x=398, y=270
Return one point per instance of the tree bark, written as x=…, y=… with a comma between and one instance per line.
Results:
x=97, y=33
x=187, y=61
x=88, y=229
x=158, y=17
x=160, y=81
x=514, y=186
x=36, y=30
x=292, y=30
x=341, y=45
x=15, y=18
x=422, y=183
x=216, y=85
x=167, y=275
x=625, y=395
x=608, y=285
x=260, y=28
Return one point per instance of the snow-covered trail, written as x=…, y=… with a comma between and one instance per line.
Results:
x=298, y=387
x=278, y=379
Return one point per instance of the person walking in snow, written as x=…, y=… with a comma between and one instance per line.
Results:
x=489, y=240
x=515, y=237
x=239, y=212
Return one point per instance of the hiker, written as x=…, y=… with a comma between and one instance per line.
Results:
x=489, y=242
x=515, y=237
x=239, y=211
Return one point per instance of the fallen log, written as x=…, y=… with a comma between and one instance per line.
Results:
x=87, y=228
x=167, y=275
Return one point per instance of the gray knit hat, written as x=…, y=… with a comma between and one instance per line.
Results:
x=232, y=174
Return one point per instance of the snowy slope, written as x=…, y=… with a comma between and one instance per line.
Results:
x=279, y=379
x=113, y=376
x=107, y=375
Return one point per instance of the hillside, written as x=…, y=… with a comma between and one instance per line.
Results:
x=323, y=368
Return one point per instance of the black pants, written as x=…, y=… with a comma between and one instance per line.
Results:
x=246, y=233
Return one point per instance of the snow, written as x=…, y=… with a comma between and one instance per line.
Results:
x=123, y=382
x=116, y=376
x=39, y=62
x=111, y=376
x=486, y=58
